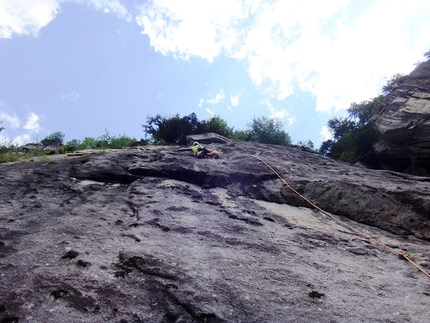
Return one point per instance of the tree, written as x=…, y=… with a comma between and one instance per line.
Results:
x=364, y=110
x=241, y=135
x=88, y=143
x=305, y=145
x=163, y=129
x=354, y=135
x=54, y=139
x=427, y=54
x=216, y=124
x=356, y=146
x=268, y=131
x=1, y=127
x=172, y=130
x=72, y=145
x=340, y=126
x=325, y=148
x=175, y=129
x=393, y=83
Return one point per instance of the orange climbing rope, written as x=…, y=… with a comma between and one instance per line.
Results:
x=400, y=254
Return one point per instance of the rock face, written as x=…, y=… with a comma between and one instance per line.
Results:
x=403, y=120
x=154, y=235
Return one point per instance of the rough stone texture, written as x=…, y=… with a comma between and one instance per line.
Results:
x=403, y=120
x=155, y=235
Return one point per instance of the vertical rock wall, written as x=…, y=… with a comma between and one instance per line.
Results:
x=403, y=120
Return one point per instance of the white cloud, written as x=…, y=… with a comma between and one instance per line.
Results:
x=201, y=102
x=32, y=123
x=71, y=96
x=280, y=114
x=218, y=97
x=27, y=17
x=17, y=132
x=234, y=100
x=17, y=140
x=8, y=118
x=194, y=27
x=356, y=61
x=9, y=121
x=22, y=139
x=323, y=47
x=325, y=133
x=4, y=140
x=210, y=111
x=108, y=6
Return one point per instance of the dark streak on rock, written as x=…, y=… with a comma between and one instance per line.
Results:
x=70, y=254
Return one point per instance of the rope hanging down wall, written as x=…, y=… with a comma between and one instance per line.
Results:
x=400, y=254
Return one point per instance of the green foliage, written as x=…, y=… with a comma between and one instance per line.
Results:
x=46, y=159
x=122, y=141
x=268, y=131
x=189, y=124
x=393, y=83
x=106, y=141
x=306, y=145
x=350, y=133
x=340, y=126
x=217, y=125
x=9, y=154
x=9, y=157
x=325, y=148
x=1, y=127
x=354, y=145
x=71, y=146
x=54, y=139
x=103, y=141
x=13, y=153
x=427, y=54
x=175, y=129
x=354, y=135
x=363, y=111
x=163, y=129
x=241, y=135
x=112, y=142
x=88, y=143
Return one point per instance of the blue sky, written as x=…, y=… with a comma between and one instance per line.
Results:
x=83, y=66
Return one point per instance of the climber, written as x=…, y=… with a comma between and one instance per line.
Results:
x=200, y=151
